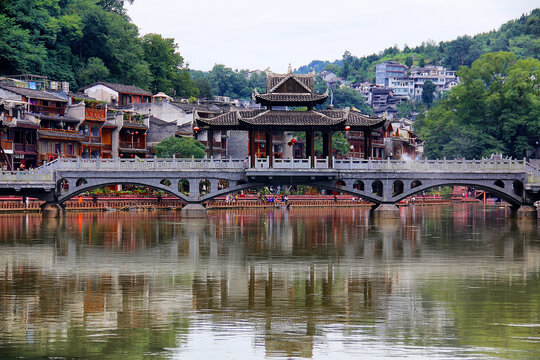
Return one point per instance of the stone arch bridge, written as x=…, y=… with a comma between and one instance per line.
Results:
x=198, y=180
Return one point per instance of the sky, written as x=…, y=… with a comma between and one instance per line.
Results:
x=251, y=34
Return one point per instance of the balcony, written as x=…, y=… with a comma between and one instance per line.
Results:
x=26, y=148
x=6, y=144
x=47, y=110
x=132, y=145
x=7, y=118
x=95, y=114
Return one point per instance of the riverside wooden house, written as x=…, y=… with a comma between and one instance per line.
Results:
x=291, y=90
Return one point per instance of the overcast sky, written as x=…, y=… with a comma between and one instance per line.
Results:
x=251, y=34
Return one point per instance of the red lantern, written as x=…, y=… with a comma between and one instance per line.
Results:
x=121, y=155
x=136, y=133
x=347, y=128
x=293, y=140
x=196, y=128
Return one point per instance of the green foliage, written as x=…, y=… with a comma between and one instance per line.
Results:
x=183, y=147
x=82, y=41
x=224, y=81
x=520, y=36
x=495, y=109
x=346, y=97
x=428, y=90
x=94, y=71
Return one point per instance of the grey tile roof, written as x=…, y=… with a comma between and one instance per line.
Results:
x=122, y=88
x=59, y=134
x=34, y=94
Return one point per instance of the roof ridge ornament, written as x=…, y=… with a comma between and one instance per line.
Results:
x=290, y=69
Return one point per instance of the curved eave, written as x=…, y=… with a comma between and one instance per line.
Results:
x=365, y=123
x=266, y=100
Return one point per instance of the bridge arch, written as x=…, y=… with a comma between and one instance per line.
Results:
x=491, y=188
x=63, y=197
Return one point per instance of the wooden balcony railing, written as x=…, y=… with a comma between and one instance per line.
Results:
x=132, y=145
x=95, y=114
x=6, y=144
x=107, y=147
x=26, y=147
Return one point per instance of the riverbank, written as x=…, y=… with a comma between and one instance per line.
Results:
x=149, y=203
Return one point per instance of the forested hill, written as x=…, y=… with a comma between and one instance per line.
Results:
x=83, y=41
x=520, y=36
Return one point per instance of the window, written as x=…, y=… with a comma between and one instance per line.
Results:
x=18, y=137
x=57, y=148
x=95, y=131
x=70, y=149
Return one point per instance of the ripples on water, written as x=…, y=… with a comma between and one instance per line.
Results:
x=441, y=282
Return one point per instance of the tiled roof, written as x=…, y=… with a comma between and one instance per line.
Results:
x=290, y=98
x=33, y=94
x=273, y=80
x=122, y=88
x=134, y=125
x=293, y=118
x=56, y=118
x=59, y=134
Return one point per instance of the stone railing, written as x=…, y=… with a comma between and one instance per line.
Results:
x=148, y=164
x=28, y=177
x=45, y=173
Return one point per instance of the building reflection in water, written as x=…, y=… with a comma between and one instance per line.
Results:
x=291, y=275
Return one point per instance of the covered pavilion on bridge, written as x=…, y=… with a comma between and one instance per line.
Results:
x=291, y=90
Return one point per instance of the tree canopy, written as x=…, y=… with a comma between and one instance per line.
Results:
x=82, y=41
x=495, y=109
x=183, y=147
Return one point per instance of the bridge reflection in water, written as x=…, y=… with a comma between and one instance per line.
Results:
x=198, y=180
x=299, y=283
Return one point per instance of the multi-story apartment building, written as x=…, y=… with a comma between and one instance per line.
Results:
x=443, y=79
x=387, y=70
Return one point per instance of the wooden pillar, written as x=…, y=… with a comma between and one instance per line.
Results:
x=210, y=142
x=328, y=146
x=252, y=147
x=310, y=146
x=269, y=147
x=370, y=144
x=367, y=144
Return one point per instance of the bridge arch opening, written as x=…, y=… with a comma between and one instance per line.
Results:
x=183, y=187
x=358, y=185
x=165, y=182
x=397, y=187
x=80, y=182
x=62, y=185
x=204, y=187
x=517, y=187
x=416, y=183
x=223, y=184
x=499, y=183
x=377, y=188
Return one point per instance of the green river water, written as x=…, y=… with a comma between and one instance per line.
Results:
x=441, y=282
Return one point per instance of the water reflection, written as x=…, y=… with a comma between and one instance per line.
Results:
x=439, y=282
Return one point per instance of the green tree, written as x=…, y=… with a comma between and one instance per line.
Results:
x=183, y=147
x=495, y=108
x=428, y=91
x=346, y=97
x=95, y=70
x=205, y=89
x=409, y=61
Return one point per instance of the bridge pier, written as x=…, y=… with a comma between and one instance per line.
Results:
x=386, y=210
x=525, y=212
x=193, y=211
x=52, y=210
